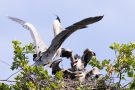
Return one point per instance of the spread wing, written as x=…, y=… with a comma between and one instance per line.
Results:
x=57, y=27
x=62, y=36
x=22, y=22
x=83, y=23
x=40, y=45
x=87, y=55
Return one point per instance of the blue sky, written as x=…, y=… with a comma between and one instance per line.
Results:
x=116, y=26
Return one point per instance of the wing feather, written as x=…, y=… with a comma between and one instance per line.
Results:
x=62, y=36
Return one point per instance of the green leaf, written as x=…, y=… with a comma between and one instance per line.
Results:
x=47, y=88
x=59, y=75
x=16, y=42
x=132, y=85
x=105, y=62
x=115, y=46
x=130, y=73
x=53, y=85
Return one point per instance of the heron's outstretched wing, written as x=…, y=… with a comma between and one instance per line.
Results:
x=83, y=23
x=61, y=37
x=40, y=45
x=17, y=20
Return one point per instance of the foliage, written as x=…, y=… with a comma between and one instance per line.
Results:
x=36, y=78
x=122, y=67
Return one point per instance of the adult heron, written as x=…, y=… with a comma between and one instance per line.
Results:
x=48, y=54
x=46, y=58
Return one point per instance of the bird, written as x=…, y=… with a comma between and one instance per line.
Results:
x=39, y=43
x=72, y=74
x=67, y=73
x=47, y=56
x=80, y=63
x=82, y=76
x=94, y=72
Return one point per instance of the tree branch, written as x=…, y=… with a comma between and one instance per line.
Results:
x=8, y=81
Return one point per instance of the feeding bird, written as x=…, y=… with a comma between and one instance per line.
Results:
x=72, y=74
x=67, y=73
x=79, y=63
x=47, y=56
x=95, y=71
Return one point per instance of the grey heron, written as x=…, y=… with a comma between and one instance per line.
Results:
x=79, y=63
x=48, y=54
x=72, y=74
x=83, y=75
x=67, y=73
x=39, y=43
x=46, y=58
x=96, y=72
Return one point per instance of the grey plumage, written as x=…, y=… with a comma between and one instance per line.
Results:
x=47, y=54
x=62, y=36
x=55, y=66
x=57, y=28
x=39, y=43
x=79, y=63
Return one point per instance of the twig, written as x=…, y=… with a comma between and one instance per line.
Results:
x=5, y=63
x=119, y=80
x=116, y=54
x=17, y=72
x=127, y=84
x=14, y=74
x=8, y=81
